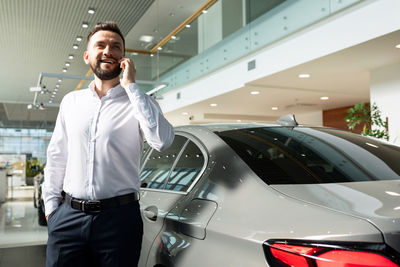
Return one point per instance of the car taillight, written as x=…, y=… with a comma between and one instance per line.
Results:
x=284, y=254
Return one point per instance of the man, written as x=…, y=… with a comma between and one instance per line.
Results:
x=93, y=158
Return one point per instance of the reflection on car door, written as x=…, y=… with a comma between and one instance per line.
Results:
x=155, y=201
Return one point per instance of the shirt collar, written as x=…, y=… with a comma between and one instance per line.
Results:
x=112, y=93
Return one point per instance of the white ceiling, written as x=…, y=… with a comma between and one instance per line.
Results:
x=343, y=76
x=37, y=36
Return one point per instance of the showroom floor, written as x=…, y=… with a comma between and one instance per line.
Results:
x=22, y=239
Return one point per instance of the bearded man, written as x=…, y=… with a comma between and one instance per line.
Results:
x=91, y=187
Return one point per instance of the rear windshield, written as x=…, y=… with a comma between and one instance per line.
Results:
x=300, y=155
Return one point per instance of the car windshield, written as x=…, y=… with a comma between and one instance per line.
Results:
x=302, y=155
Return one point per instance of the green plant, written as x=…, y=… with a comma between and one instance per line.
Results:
x=370, y=117
x=33, y=167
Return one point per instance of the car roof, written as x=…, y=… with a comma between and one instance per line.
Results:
x=220, y=127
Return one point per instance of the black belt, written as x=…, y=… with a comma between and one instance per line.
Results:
x=102, y=204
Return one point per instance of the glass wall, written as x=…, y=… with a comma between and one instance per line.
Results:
x=32, y=142
x=226, y=31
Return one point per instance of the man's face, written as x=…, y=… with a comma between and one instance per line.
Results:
x=104, y=52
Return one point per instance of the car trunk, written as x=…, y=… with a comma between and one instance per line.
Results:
x=378, y=202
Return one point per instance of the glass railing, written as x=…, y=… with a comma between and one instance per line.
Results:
x=227, y=31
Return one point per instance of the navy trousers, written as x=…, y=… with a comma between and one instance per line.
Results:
x=110, y=238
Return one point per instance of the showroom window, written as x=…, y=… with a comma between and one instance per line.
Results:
x=187, y=168
x=158, y=164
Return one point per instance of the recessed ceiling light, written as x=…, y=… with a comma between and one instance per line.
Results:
x=173, y=37
x=255, y=92
x=204, y=11
x=187, y=26
x=50, y=101
x=135, y=54
x=59, y=80
x=146, y=38
x=75, y=46
x=67, y=64
x=57, y=85
x=398, y=46
x=238, y=120
x=213, y=105
x=172, y=14
x=56, y=89
x=304, y=75
x=64, y=70
x=71, y=57
x=85, y=24
x=185, y=113
x=159, y=48
x=152, y=55
x=79, y=38
x=274, y=108
x=91, y=11
x=324, y=97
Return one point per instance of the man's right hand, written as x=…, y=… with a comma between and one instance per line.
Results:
x=47, y=218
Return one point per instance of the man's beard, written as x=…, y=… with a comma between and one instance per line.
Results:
x=105, y=74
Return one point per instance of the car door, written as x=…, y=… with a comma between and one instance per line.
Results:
x=155, y=201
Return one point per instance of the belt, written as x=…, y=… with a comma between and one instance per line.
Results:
x=102, y=204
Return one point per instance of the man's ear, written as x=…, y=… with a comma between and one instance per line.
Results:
x=86, y=57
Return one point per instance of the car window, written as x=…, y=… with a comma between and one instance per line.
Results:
x=158, y=165
x=286, y=155
x=187, y=168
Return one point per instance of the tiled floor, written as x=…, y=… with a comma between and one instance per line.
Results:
x=19, y=222
x=22, y=239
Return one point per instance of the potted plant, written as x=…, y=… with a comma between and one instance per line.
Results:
x=370, y=117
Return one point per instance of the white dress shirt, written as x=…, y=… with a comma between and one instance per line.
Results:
x=95, y=148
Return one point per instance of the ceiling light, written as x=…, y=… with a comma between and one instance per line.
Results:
x=50, y=101
x=204, y=11
x=85, y=25
x=79, y=38
x=324, y=97
x=274, y=108
x=146, y=38
x=57, y=85
x=30, y=106
x=64, y=70
x=151, y=55
x=75, y=46
x=395, y=194
x=172, y=14
x=185, y=113
x=304, y=75
x=135, y=54
x=213, y=105
x=71, y=57
x=55, y=89
x=159, y=48
x=187, y=26
x=238, y=120
x=173, y=37
x=91, y=11
x=155, y=30
x=67, y=64
x=255, y=92
x=398, y=46
x=59, y=80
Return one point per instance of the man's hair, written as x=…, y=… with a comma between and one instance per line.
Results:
x=106, y=26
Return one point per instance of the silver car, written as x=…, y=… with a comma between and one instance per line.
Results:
x=259, y=195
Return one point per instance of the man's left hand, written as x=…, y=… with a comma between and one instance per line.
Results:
x=129, y=72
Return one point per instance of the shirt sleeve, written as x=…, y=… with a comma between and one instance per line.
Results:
x=158, y=132
x=54, y=172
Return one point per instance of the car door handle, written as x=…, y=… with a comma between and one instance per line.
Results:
x=151, y=213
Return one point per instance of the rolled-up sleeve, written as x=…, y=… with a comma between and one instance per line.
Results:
x=158, y=132
x=57, y=154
